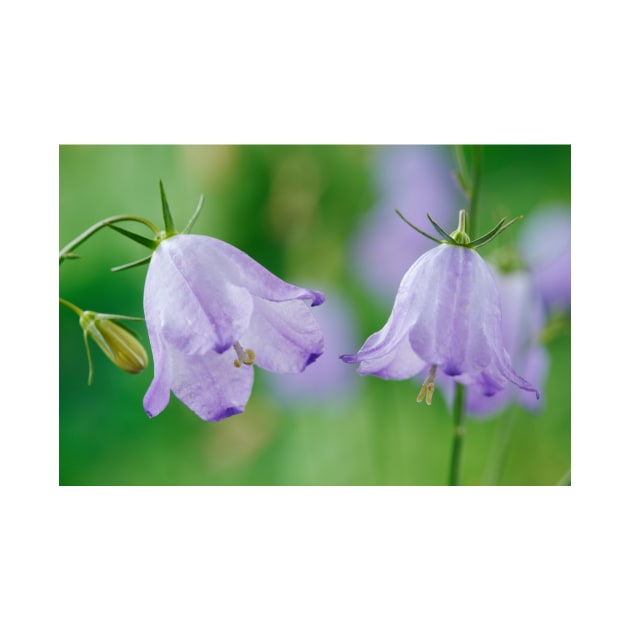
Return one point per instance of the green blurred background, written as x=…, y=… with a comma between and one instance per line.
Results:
x=295, y=209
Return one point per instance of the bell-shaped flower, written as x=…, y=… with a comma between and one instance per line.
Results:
x=447, y=318
x=212, y=312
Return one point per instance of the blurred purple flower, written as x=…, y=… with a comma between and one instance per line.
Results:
x=523, y=319
x=545, y=245
x=327, y=379
x=446, y=317
x=212, y=312
x=417, y=180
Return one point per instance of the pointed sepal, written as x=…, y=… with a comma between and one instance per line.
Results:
x=169, y=225
x=147, y=242
x=417, y=229
x=443, y=233
x=190, y=223
x=135, y=263
x=499, y=227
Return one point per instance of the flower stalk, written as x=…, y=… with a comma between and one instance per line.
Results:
x=67, y=251
x=459, y=430
x=463, y=237
x=476, y=176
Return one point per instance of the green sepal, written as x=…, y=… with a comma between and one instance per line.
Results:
x=417, y=229
x=136, y=263
x=190, y=223
x=500, y=227
x=129, y=318
x=147, y=242
x=441, y=232
x=169, y=225
x=118, y=318
x=89, y=356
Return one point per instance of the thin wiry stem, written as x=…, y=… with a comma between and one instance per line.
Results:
x=459, y=406
x=71, y=306
x=474, y=196
x=63, y=254
x=458, y=436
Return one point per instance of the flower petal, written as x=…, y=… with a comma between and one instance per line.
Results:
x=188, y=298
x=504, y=366
x=284, y=336
x=159, y=392
x=459, y=329
x=400, y=363
x=246, y=272
x=411, y=295
x=210, y=385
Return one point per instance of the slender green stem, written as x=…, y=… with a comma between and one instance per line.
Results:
x=100, y=225
x=459, y=405
x=71, y=306
x=474, y=196
x=459, y=417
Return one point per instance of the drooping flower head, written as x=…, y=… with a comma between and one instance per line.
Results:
x=446, y=318
x=212, y=313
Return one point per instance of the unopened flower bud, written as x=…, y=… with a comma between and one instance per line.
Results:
x=117, y=342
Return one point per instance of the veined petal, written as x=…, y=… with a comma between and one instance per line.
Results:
x=189, y=298
x=459, y=329
x=400, y=363
x=495, y=376
x=210, y=385
x=284, y=336
x=159, y=392
x=504, y=365
x=412, y=295
x=246, y=272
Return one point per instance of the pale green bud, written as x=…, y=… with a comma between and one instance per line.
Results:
x=118, y=343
